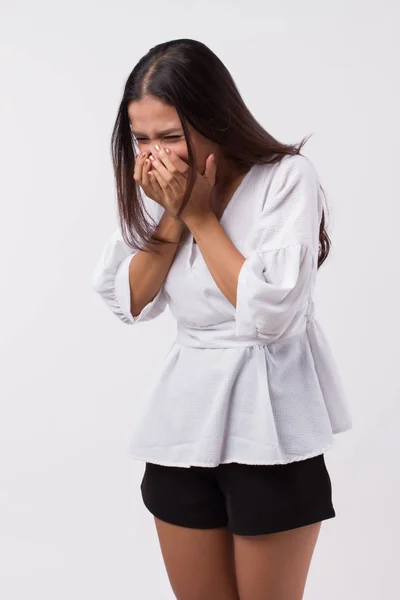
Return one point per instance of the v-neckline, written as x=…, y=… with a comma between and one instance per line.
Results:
x=233, y=197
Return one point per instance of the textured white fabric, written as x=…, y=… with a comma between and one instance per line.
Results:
x=256, y=383
x=110, y=279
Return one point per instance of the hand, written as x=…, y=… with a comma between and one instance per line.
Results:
x=166, y=183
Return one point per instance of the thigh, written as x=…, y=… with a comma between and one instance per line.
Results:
x=274, y=565
x=199, y=562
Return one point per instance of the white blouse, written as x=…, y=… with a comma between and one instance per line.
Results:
x=256, y=383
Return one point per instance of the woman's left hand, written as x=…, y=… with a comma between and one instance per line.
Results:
x=168, y=180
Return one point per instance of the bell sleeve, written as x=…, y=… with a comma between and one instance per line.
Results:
x=274, y=281
x=110, y=279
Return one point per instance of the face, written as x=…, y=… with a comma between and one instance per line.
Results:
x=153, y=122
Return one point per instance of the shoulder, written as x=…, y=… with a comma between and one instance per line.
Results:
x=294, y=169
x=291, y=204
x=290, y=172
x=290, y=187
x=291, y=175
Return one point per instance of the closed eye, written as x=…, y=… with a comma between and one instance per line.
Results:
x=170, y=137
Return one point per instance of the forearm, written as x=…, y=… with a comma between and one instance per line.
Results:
x=147, y=271
x=223, y=259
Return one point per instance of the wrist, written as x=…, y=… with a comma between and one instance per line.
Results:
x=170, y=228
x=194, y=222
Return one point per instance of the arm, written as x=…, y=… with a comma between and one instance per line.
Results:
x=269, y=287
x=223, y=259
x=147, y=272
x=125, y=288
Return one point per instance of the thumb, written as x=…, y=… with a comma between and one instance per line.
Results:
x=211, y=169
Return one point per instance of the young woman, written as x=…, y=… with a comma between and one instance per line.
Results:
x=223, y=223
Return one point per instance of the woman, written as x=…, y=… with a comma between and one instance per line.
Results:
x=249, y=397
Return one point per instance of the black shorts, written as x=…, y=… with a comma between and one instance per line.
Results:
x=247, y=499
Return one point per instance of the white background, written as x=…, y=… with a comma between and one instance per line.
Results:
x=73, y=377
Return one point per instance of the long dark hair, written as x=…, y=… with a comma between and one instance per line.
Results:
x=186, y=74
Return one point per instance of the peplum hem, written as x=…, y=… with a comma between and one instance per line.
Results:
x=239, y=459
x=252, y=404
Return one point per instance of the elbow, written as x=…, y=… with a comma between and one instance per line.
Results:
x=269, y=335
x=96, y=285
x=107, y=294
x=268, y=326
x=135, y=311
x=288, y=323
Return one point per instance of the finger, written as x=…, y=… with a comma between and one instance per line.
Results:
x=152, y=183
x=158, y=176
x=211, y=168
x=145, y=173
x=137, y=172
x=164, y=177
x=172, y=162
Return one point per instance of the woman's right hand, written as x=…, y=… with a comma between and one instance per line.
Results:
x=141, y=176
x=140, y=173
x=166, y=183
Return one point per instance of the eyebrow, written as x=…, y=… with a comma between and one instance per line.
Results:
x=164, y=132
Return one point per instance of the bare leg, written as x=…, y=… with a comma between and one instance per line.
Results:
x=274, y=565
x=199, y=562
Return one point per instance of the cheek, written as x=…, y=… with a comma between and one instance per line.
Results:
x=200, y=153
x=180, y=149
